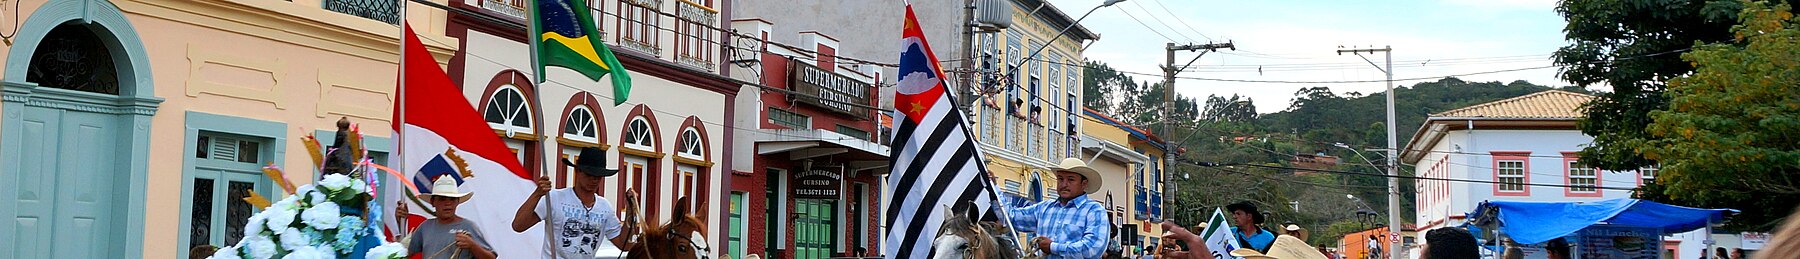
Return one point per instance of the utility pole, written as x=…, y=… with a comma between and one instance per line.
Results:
x=967, y=76
x=1393, y=175
x=1169, y=71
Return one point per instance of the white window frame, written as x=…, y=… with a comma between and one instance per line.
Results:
x=506, y=122
x=1647, y=174
x=1501, y=175
x=648, y=140
x=577, y=133
x=1579, y=175
x=692, y=146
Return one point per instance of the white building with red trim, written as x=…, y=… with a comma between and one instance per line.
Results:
x=1526, y=144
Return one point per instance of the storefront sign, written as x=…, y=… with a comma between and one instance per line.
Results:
x=818, y=183
x=1606, y=241
x=1755, y=240
x=838, y=91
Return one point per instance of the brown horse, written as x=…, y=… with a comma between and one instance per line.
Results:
x=684, y=237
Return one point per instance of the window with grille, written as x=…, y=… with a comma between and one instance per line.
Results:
x=1648, y=174
x=508, y=110
x=789, y=119
x=696, y=41
x=639, y=22
x=638, y=135
x=226, y=169
x=1580, y=175
x=1511, y=175
x=580, y=125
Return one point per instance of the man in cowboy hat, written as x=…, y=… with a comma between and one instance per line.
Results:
x=1072, y=226
x=447, y=236
x=579, y=219
x=1245, y=218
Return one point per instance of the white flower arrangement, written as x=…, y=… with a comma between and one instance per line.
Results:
x=229, y=252
x=310, y=252
x=335, y=182
x=313, y=224
x=260, y=247
x=387, y=251
x=321, y=216
x=327, y=219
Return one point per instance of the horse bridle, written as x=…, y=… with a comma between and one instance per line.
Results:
x=699, y=248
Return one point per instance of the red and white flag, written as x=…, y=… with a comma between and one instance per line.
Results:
x=936, y=165
x=443, y=136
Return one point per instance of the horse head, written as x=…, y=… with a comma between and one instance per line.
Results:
x=963, y=236
x=684, y=237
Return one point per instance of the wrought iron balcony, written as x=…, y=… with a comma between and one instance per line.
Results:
x=699, y=46
x=511, y=8
x=387, y=11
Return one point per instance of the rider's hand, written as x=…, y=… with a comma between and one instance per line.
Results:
x=400, y=209
x=543, y=186
x=1043, y=244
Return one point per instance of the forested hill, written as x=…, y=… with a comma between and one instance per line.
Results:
x=1319, y=114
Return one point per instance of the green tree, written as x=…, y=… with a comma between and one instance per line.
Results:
x=1728, y=134
x=1616, y=43
x=1098, y=84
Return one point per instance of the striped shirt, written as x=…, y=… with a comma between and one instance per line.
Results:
x=1077, y=229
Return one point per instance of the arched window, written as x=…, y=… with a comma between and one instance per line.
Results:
x=638, y=135
x=581, y=125
x=1037, y=188
x=691, y=145
x=507, y=109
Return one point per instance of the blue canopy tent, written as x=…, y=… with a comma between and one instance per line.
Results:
x=1536, y=222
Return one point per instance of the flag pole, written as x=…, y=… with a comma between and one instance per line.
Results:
x=537, y=72
x=400, y=97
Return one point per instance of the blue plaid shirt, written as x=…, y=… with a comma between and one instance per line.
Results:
x=1077, y=229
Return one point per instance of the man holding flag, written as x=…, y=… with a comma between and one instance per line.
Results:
x=442, y=137
x=1072, y=226
x=935, y=161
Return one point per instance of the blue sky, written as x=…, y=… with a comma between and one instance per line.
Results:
x=1296, y=40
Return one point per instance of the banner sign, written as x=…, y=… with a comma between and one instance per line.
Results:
x=1608, y=241
x=819, y=183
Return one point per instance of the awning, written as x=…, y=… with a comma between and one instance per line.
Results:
x=1536, y=222
x=803, y=144
x=1114, y=150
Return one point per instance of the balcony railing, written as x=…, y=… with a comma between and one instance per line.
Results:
x=698, y=47
x=380, y=10
x=511, y=8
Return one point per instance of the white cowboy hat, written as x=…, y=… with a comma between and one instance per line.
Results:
x=1075, y=165
x=446, y=186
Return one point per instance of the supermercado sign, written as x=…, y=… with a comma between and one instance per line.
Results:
x=838, y=91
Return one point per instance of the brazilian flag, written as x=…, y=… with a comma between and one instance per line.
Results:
x=565, y=37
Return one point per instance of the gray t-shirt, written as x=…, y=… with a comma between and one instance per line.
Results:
x=433, y=236
x=578, y=230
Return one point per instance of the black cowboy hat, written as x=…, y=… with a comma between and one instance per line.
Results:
x=591, y=161
x=1247, y=207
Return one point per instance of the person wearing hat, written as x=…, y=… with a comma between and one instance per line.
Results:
x=1072, y=226
x=1245, y=217
x=577, y=217
x=447, y=236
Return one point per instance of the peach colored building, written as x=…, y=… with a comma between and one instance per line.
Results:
x=129, y=128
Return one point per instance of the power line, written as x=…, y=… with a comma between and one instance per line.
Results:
x=1178, y=19
x=1146, y=26
x=1160, y=21
x=1596, y=187
x=1373, y=81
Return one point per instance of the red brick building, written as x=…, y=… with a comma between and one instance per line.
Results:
x=815, y=183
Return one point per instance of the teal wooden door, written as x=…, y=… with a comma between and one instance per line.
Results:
x=70, y=186
x=734, y=238
x=816, y=228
